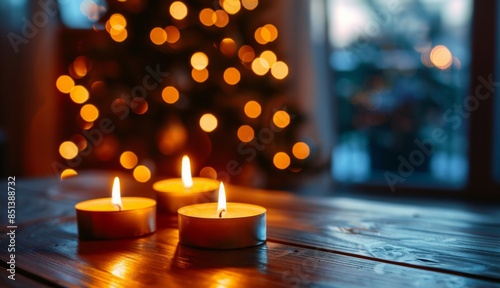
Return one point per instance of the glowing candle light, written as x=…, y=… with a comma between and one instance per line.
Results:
x=222, y=225
x=116, y=217
x=221, y=204
x=177, y=192
x=187, y=180
x=116, y=198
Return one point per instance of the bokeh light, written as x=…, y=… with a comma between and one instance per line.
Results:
x=208, y=122
x=89, y=112
x=199, y=76
x=117, y=20
x=80, y=66
x=271, y=29
x=260, y=66
x=246, y=53
x=266, y=34
x=279, y=70
x=66, y=173
x=142, y=173
x=79, y=94
x=300, y=150
x=139, y=106
x=118, y=35
x=245, y=133
x=199, y=61
x=269, y=56
x=116, y=30
x=250, y=4
x=208, y=172
x=228, y=47
x=252, y=109
x=281, y=119
x=128, y=159
x=266, y=62
x=207, y=17
x=221, y=19
x=281, y=160
x=441, y=57
x=65, y=84
x=68, y=150
x=170, y=94
x=232, y=76
x=116, y=27
x=173, y=34
x=158, y=35
x=259, y=37
x=231, y=6
x=178, y=10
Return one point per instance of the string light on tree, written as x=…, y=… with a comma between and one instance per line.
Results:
x=223, y=93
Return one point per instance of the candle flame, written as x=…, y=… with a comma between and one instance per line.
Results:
x=116, y=198
x=221, y=206
x=187, y=180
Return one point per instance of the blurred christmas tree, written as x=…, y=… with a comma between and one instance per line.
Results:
x=155, y=80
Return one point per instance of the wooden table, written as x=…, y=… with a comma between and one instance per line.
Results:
x=312, y=242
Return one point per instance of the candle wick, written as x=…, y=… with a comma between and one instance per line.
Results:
x=221, y=211
x=118, y=206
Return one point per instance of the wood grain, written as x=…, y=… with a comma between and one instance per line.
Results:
x=462, y=242
x=52, y=251
x=337, y=242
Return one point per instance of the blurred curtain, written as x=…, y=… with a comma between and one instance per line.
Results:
x=28, y=100
x=303, y=26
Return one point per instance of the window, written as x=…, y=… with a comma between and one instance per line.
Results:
x=401, y=73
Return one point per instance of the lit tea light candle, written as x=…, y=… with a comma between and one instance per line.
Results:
x=173, y=194
x=222, y=225
x=116, y=217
